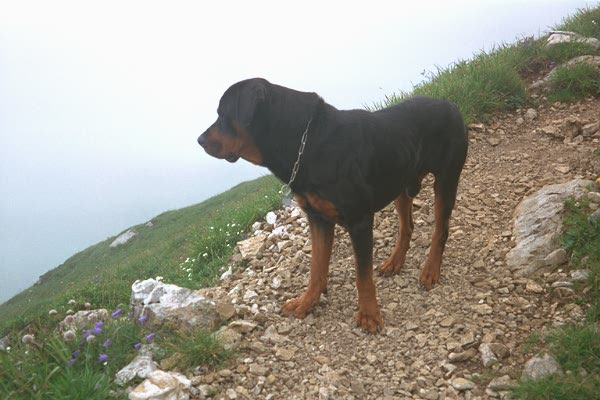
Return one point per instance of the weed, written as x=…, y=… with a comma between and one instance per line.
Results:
x=573, y=83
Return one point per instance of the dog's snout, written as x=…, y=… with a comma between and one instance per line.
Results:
x=202, y=140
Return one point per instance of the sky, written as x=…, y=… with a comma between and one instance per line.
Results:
x=101, y=102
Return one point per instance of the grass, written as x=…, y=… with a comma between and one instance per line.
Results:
x=496, y=81
x=575, y=347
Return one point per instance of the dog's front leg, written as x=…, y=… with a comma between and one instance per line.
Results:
x=361, y=234
x=321, y=233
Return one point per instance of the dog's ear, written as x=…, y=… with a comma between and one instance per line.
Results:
x=248, y=101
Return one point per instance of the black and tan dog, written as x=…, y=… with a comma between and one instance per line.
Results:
x=342, y=167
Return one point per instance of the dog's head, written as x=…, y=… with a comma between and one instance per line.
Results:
x=229, y=137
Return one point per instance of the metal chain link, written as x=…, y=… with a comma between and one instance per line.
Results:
x=286, y=190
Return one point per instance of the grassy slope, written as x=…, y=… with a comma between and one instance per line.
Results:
x=103, y=276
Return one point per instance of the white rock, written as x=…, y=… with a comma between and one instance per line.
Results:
x=227, y=274
x=557, y=37
x=140, y=367
x=462, y=384
x=161, y=385
x=488, y=357
x=580, y=275
x=170, y=304
x=249, y=295
x=540, y=367
x=250, y=247
x=124, y=238
x=537, y=226
x=271, y=218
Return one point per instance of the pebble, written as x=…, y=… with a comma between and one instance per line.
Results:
x=462, y=384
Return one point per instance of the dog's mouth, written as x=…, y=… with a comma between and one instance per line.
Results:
x=232, y=158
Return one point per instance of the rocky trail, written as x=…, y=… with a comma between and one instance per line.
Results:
x=435, y=343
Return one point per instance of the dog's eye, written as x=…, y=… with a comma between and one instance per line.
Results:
x=226, y=127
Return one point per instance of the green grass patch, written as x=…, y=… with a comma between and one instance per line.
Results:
x=569, y=84
x=496, y=81
x=191, y=349
x=586, y=22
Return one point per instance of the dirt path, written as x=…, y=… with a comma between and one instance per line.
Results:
x=431, y=338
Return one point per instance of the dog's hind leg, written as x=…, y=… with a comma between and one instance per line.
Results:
x=406, y=226
x=445, y=188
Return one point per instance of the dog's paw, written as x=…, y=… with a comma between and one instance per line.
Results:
x=370, y=322
x=389, y=267
x=299, y=307
x=429, y=277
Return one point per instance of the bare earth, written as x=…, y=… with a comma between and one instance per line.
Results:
x=431, y=338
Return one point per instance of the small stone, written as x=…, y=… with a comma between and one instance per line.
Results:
x=249, y=295
x=242, y=326
x=447, y=322
x=483, y=309
x=226, y=311
x=463, y=355
x=590, y=129
x=580, y=275
x=500, y=350
x=501, y=383
x=285, y=354
x=563, y=169
x=487, y=355
x=493, y=141
x=530, y=115
x=258, y=370
x=228, y=338
x=358, y=388
x=429, y=394
x=533, y=287
x=462, y=384
x=540, y=367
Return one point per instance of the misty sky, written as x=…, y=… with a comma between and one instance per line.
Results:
x=101, y=102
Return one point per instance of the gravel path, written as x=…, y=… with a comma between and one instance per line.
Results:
x=435, y=343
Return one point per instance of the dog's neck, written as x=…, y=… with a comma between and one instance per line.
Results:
x=281, y=137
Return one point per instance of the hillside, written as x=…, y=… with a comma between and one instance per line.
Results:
x=102, y=275
x=522, y=137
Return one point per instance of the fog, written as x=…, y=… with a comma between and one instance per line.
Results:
x=101, y=103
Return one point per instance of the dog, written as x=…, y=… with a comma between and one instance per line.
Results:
x=342, y=167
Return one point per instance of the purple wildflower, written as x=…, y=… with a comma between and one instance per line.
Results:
x=137, y=346
x=103, y=358
x=552, y=64
x=143, y=319
x=87, y=333
x=76, y=353
x=99, y=324
x=97, y=331
x=107, y=343
x=117, y=313
x=150, y=337
x=72, y=362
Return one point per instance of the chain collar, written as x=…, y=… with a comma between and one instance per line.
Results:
x=286, y=189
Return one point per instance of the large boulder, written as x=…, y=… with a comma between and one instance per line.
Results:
x=537, y=227
x=164, y=303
